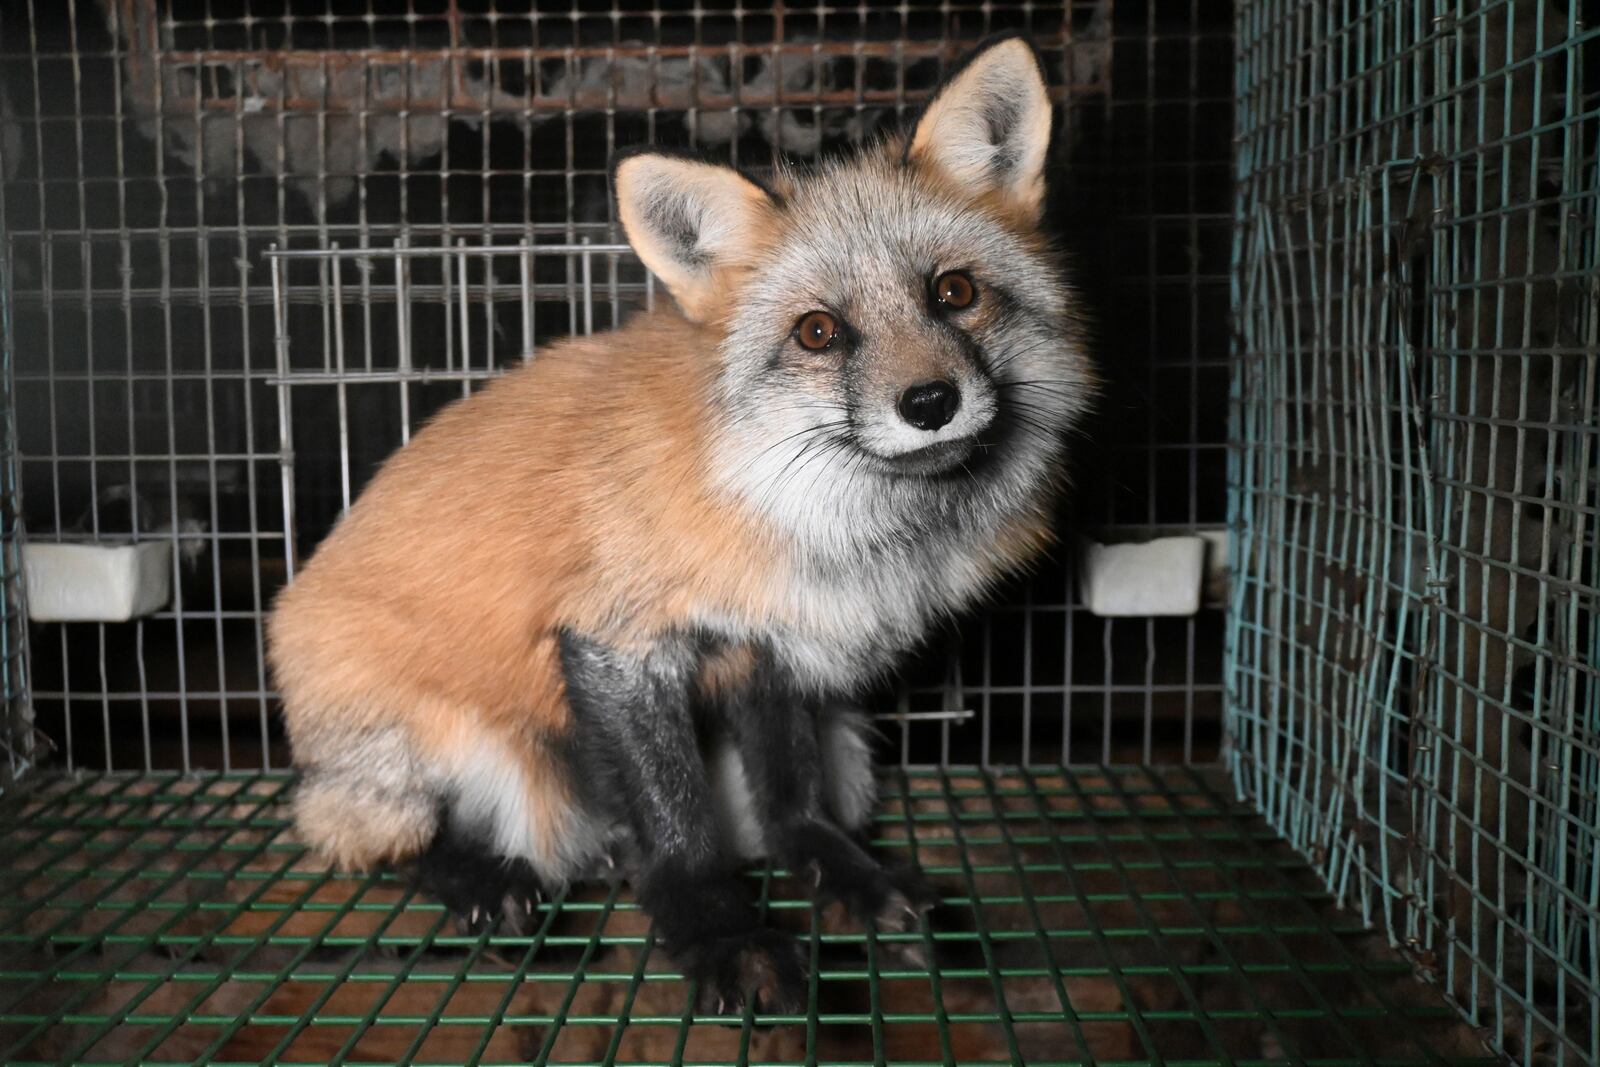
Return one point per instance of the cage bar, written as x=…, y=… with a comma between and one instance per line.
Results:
x=16, y=719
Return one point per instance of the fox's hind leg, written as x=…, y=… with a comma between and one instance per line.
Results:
x=469, y=822
x=509, y=827
x=361, y=800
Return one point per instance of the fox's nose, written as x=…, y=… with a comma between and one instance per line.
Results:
x=929, y=405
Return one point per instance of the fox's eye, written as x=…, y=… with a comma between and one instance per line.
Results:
x=953, y=289
x=816, y=330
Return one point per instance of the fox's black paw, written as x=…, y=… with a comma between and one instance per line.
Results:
x=889, y=901
x=481, y=891
x=855, y=896
x=761, y=967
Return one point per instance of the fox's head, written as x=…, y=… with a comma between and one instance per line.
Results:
x=895, y=334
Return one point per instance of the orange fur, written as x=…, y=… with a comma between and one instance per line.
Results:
x=566, y=494
x=570, y=493
x=726, y=670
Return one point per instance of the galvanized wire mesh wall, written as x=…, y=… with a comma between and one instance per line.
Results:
x=150, y=154
x=1414, y=679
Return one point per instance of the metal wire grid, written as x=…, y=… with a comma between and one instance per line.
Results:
x=1145, y=205
x=150, y=159
x=16, y=718
x=1413, y=669
x=390, y=335
x=1127, y=916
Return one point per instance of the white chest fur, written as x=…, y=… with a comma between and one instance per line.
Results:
x=845, y=623
x=874, y=562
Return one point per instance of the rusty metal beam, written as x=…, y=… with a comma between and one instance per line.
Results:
x=463, y=78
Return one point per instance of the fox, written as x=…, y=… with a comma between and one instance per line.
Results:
x=616, y=610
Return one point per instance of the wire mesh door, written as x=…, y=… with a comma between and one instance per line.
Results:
x=1413, y=670
x=424, y=326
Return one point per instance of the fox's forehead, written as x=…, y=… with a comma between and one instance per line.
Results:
x=870, y=232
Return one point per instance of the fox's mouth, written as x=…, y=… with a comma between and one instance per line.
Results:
x=940, y=458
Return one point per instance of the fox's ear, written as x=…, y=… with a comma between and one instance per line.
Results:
x=689, y=220
x=988, y=125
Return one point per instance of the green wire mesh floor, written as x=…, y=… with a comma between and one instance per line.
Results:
x=1129, y=915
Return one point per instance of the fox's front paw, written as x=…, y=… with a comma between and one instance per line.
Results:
x=855, y=891
x=888, y=900
x=761, y=967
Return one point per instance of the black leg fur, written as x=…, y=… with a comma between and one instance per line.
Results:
x=776, y=726
x=482, y=891
x=638, y=758
x=705, y=922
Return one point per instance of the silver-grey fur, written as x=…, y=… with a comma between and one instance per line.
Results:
x=885, y=554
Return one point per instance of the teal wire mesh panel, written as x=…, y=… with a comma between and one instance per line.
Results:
x=1413, y=677
x=16, y=712
x=1118, y=917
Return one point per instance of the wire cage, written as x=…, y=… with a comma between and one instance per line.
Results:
x=1412, y=643
x=1342, y=260
x=200, y=138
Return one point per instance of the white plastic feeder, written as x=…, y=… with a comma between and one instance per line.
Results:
x=96, y=583
x=1160, y=577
